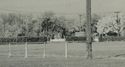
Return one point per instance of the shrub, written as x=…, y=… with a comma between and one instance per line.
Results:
x=23, y=39
x=112, y=38
x=74, y=38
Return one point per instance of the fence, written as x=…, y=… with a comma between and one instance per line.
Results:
x=64, y=49
x=53, y=49
x=26, y=46
x=21, y=40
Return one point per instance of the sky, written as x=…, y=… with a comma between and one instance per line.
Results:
x=61, y=6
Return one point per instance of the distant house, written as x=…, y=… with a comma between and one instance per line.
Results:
x=80, y=34
x=57, y=35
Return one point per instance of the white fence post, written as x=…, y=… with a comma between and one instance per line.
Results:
x=66, y=50
x=26, y=49
x=9, y=55
x=44, y=50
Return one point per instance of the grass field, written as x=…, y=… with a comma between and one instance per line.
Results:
x=105, y=54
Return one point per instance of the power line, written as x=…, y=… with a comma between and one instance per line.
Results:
x=20, y=11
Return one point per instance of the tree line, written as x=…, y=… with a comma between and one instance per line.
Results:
x=49, y=24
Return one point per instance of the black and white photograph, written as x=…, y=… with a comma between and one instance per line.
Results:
x=62, y=33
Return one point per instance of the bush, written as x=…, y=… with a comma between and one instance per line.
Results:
x=78, y=39
x=101, y=39
x=23, y=39
x=37, y=39
x=112, y=38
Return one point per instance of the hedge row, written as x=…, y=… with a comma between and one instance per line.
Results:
x=78, y=39
x=24, y=39
x=111, y=38
x=101, y=39
x=44, y=39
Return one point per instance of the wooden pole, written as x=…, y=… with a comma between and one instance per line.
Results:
x=26, y=34
x=80, y=18
x=9, y=55
x=26, y=50
x=88, y=29
x=118, y=20
x=66, y=50
x=44, y=50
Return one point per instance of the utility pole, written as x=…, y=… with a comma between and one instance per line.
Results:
x=117, y=16
x=118, y=21
x=4, y=29
x=88, y=29
x=80, y=18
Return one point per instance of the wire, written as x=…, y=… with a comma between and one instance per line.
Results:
x=19, y=11
x=58, y=13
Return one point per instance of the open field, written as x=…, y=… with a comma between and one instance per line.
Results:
x=106, y=54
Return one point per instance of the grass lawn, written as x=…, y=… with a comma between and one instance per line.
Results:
x=105, y=54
